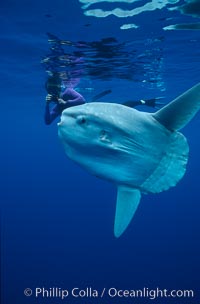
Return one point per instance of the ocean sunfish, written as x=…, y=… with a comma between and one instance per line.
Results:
x=140, y=152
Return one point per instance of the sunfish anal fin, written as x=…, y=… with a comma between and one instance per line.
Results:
x=127, y=202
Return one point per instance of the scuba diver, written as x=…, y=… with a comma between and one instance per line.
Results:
x=70, y=98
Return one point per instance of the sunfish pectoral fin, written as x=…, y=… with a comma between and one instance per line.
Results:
x=127, y=202
x=181, y=110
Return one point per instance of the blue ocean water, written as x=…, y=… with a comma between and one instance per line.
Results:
x=56, y=219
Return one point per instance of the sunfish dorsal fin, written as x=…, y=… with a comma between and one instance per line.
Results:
x=181, y=110
x=127, y=203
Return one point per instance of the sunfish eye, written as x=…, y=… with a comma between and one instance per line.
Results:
x=81, y=119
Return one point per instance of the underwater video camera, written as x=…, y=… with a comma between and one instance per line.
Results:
x=53, y=86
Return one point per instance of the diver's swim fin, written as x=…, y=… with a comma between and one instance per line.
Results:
x=102, y=94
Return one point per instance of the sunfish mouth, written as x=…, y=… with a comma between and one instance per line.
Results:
x=60, y=123
x=63, y=118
